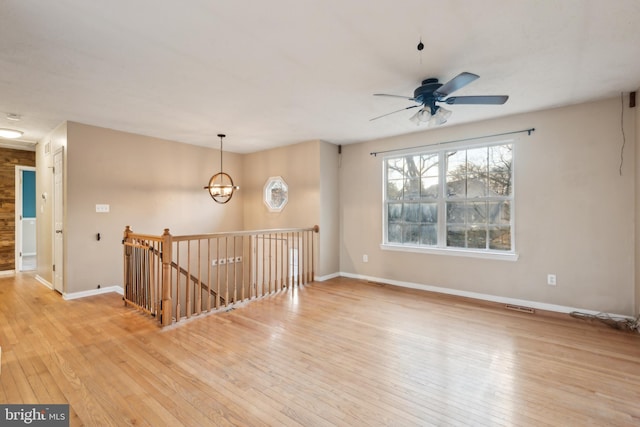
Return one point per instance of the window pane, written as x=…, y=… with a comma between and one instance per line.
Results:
x=429, y=213
x=394, y=189
x=430, y=187
x=476, y=212
x=456, y=161
x=500, y=159
x=394, y=212
x=456, y=173
x=456, y=236
x=477, y=172
x=411, y=234
x=429, y=166
x=411, y=212
x=499, y=212
x=477, y=238
x=429, y=235
x=412, y=166
x=412, y=188
x=395, y=169
x=456, y=212
x=500, y=238
x=394, y=233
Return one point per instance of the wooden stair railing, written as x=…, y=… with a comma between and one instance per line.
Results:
x=185, y=273
x=176, y=277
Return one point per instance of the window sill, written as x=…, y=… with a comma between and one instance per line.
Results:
x=469, y=253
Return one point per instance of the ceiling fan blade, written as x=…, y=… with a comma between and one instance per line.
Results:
x=475, y=100
x=393, y=112
x=458, y=82
x=394, y=96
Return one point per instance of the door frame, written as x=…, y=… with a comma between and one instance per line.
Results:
x=57, y=239
x=18, y=214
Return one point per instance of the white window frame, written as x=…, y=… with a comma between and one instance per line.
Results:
x=441, y=248
x=275, y=204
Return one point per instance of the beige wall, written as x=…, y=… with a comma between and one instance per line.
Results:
x=313, y=196
x=329, y=211
x=150, y=184
x=574, y=213
x=299, y=166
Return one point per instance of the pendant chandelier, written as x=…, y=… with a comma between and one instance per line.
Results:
x=221, y=185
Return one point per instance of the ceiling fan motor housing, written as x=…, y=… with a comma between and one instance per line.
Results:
x=424, y=94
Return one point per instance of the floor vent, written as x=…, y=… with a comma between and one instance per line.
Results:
x=376, y=283
x=520, y=308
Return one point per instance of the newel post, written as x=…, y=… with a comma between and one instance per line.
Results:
x=166, y=277
x=127, y=262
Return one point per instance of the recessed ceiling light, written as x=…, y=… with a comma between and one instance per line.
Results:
x=10, y=133
x=13, y=117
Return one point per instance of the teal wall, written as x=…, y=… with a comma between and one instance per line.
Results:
x=28, y=194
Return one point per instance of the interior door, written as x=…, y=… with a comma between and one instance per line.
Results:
x=58, y=221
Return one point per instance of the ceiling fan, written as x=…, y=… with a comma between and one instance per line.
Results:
x=431, y=92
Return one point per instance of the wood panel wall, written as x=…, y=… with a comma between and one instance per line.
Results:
x=9, y=159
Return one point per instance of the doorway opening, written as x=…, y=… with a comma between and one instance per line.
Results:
x=25, y=209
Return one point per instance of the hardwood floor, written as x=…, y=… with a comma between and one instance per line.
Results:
x=341, y=352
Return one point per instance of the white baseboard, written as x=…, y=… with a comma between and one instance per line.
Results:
x=7, y=273
x=327, y=277
x=485, y=297
x=44, y=281
x=93, y=292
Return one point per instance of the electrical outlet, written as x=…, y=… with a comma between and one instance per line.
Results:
x=222, y=261
x=102, y=208
x=214, y=262
x=551, y=279
x=365, y=258
x=238, y=259
x=231, y=260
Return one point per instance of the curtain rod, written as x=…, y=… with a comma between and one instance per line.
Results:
x=375, y=153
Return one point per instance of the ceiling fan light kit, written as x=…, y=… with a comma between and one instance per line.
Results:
x=424, y=115
x=431, y=91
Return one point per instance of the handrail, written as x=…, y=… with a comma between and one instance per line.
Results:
x=139, y=236
x=176, y=277
x=242, y=233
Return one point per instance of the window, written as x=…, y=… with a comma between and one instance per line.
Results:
x=276, y=194
x=451, y=199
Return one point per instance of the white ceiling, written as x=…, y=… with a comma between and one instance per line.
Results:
x=278, y=72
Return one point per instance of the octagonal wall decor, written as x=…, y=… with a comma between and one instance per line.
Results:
x=276, y=193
